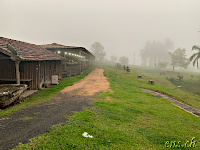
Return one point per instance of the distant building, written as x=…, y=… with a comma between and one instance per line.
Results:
x=77, y=59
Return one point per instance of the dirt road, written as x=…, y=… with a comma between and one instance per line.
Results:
x=91, y=84
x=25, y=124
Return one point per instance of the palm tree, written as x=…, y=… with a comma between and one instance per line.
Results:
x=195, y=56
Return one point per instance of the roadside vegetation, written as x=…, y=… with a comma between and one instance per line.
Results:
x=46, y=95
x=127, y=118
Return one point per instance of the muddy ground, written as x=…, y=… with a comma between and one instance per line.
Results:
x=27, y=123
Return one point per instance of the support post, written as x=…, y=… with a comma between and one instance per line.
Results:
x=17, y=71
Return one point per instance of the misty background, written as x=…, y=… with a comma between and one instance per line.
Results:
x=122, y=27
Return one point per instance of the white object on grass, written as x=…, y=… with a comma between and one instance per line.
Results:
x=85, y=134
x=179, y=86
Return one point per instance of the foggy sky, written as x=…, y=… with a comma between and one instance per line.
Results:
x=121, y=26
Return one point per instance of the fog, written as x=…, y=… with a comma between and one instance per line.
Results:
x=121, y=26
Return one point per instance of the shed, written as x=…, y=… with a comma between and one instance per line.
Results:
x=77, y=59
x=22, y=62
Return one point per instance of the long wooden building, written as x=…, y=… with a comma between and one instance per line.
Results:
x=80, y=56
x=22, y=62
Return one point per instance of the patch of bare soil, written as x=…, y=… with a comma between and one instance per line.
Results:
x=91, y=84
x=186, y=107
x=17, y=128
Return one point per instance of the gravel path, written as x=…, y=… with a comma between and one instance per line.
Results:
x=186, y=107
x=25, y=124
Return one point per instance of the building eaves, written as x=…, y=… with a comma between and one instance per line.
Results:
x=59, y=46
x=27, y=51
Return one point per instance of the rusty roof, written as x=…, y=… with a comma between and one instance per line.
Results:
x=27, y=51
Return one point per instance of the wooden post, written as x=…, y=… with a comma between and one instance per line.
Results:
x=17, y=61
x=39, y=76
x=17, y=71
x=45, y=74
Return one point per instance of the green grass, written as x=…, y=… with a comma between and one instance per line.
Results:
x=189, y=84
x=36, y=113
x=132, y=119
x=189, y=90
x=26, y=118
x=46, y=95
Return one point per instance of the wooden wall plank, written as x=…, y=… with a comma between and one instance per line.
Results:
x=33, y=70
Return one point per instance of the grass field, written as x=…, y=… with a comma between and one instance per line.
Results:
x=46, y=95
x=130, y=119
x=186, y=89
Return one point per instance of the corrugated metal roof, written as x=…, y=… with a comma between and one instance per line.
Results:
x=56, y=45
x=27, y=51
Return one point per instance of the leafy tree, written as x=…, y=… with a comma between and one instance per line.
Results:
x=113, y=59
x=123, y=60
x=162, y=64
x=98, y=51
x=154, y=52
x=178, y=58
x=195, y=57
x=118, y=66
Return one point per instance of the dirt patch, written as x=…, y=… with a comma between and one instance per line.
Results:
x=30, y=122
x=91, y=84
x=108, y=98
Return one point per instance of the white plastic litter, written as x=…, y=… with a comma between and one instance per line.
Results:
x=85, y=134
x=179, y=86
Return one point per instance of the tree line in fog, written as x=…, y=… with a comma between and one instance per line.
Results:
x=154, y=53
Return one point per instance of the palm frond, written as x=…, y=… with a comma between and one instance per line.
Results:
x=196, y=47
x=195, y=61
x=192, y=57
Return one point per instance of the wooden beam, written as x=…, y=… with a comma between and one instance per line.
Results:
x=4, y=79
x=4, y=57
